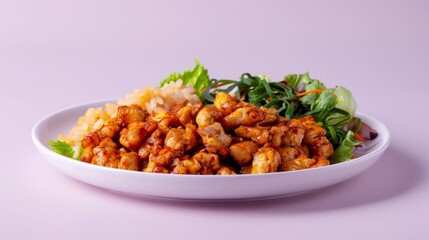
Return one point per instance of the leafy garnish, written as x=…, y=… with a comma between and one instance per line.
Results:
x=331, y=108
x=295, y=81
x=256, y=90
x=198, y=78
x=344, y=151
x=345, y=100
x=62, y=148
x=296, y=96
x=65, y=149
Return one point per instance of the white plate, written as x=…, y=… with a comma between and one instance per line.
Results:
x=200, y=187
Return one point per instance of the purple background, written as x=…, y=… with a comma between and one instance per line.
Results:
x=59, y=53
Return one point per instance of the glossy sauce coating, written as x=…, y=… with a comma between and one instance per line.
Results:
x=229, y=137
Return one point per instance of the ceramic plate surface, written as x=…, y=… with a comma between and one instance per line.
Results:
x=201, y=187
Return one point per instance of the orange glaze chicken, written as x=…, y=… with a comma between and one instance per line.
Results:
x=229, y=137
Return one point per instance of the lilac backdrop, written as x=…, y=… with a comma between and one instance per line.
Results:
x=59, y=53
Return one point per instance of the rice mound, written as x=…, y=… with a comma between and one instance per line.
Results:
x=151, y=99
x=157, y=99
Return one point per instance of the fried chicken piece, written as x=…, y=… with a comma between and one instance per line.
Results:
x=178, y=168
x=302, y=162
x=242, y=104
x=290, y=133
x=320, y=162
x=192, y=166
x=315, y=138
x=270, y=116
x=106, y=154
x=207, y=116
x=282, y=120
x=215, y=139
x=108, y=142
x=225, y=102
x=153, y=144
x=210, y=160
x=187, y=114
x=225, y=170
x=160, y=161
x=243, y=152
x=91, y=140
x=129, y=114
x=163, y=157
x=277, y=134
x=182, y=140
x=247, y=116
x=133, y=136
x=154, y=168
x=88, y=143
x=165, y=120
x=110, y=130
x=290, y=153
x=266, y=160
x=258, y=134
x=129, y=161
x=295, y=134
x=186, y=166
x=87, y=154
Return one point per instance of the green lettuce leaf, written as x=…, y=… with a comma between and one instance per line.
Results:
x=345, y=100
x=314, y=84
x=64, y=149
x=320, y=104
x=295, y=80
x=326, y=100
x=344, y=151
x=198, y=78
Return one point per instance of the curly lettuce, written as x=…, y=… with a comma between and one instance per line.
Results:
x=344, y=151
x=197, y=77
x=332, y=108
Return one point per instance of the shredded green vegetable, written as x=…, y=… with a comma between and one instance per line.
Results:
x=296, y=96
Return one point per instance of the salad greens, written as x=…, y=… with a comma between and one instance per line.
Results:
x=65, y=149
x=295, y=96
x=344, y=151
x=198, y=78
